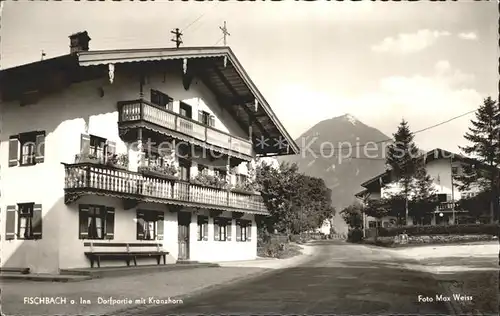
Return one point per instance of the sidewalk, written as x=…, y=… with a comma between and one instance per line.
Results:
x=180, y=284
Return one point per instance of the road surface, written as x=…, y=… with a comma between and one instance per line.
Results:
x=340, y=279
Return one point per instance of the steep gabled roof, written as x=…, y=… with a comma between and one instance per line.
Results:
x=217, y=67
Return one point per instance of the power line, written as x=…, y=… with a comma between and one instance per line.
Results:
x=201, y=16
x=220, y=39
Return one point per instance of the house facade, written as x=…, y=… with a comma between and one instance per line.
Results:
x=440, y=166
x=133, y=151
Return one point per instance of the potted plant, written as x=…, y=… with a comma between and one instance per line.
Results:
x=246, y=187
x=166, y=171
x=119, y=161
x=208, y=180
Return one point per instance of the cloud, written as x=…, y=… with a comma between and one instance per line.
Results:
x=409, y=42
x=471, y=36
x=422, y=100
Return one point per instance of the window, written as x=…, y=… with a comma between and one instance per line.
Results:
x=185, y=110
x=241, y=179
x=97, y=147
x=372, y=224
x=243, y=230
x=96, y=222
x=204, y=117
x=202, y=228
x=27, y=149
x=222, y=229
x=161, y=99
x=184, y=169
x=221, y=174
x=29, y=221
x=149, y=225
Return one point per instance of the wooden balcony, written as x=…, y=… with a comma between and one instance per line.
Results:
x=144, y=111
x=87, y=178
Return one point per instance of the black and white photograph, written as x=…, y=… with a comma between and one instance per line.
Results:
x=171, y=157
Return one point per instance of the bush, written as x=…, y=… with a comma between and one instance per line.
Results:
x=462, y=229
x=355, y=235
x=278, y=250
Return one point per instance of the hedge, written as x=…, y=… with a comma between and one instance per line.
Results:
x=462, y=229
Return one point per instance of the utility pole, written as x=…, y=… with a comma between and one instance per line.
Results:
x=177, y=39
x=225, y=33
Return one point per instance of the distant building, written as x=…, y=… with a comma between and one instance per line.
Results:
x=440, y=165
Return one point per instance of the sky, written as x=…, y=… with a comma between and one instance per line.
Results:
x=381, y=62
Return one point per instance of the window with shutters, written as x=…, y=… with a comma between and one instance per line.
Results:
x=27, y=149
x=149, y=225
x=161, y=99
x=202, y=228
x=222, y=229
x=185, y=110
x=243, y=230
x=204, y=117
x=96, y=222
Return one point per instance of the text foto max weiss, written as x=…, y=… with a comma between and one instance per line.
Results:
x=443, y=298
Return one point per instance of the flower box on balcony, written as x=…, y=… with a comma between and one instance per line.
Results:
x=89, y=158
x=118, y=161
x=161, y=172
x=209, y=181
x=243, y=191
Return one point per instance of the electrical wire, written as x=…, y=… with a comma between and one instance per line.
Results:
x=201, y=16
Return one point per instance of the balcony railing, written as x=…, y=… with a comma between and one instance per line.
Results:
x=143, y=110
x=98, y=177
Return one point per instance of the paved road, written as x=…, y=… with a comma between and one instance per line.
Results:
x=340, y=279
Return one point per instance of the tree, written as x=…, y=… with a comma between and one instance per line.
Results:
x=484, y=139
x=402, y=157
x=424, y=199
x=353, y=216
x=296, y=202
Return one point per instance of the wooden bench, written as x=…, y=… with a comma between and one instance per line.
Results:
x=15, y=270
x=94, y=255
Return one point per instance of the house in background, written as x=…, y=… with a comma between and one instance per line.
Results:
x=125, y=154
x=440, y=165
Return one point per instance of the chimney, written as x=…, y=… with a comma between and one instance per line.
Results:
x=79, y=42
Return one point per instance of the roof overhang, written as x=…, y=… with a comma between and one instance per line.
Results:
x=217, y=67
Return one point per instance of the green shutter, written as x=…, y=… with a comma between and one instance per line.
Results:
x=160, y=224
x=83, y=231
x=37, y=221
x=13, y=151
x=110, y=223
x=10, y=222
x=40, y=147
x=140, y=228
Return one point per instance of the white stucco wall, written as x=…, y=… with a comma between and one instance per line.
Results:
x=65, y=116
